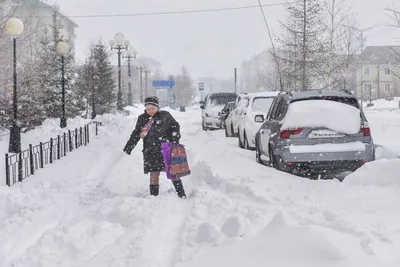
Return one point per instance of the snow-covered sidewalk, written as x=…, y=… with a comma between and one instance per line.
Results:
x=93, y=209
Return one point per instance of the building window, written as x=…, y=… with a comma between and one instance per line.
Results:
x=387, y=71
x=367, y=87
x=387, y=87
x=366, y=71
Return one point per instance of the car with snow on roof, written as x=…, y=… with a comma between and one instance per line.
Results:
x=315, y=132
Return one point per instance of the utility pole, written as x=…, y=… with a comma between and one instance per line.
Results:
x=235, y=75
x=141, y=68
x=378, y=85
x=146, y=72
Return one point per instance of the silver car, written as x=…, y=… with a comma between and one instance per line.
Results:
x=309, y=151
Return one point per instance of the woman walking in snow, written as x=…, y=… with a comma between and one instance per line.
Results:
x=155, y=126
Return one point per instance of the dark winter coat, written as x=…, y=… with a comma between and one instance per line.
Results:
x=164, y=129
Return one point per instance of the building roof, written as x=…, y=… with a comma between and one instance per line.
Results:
x=381, y=55
x=40, y=4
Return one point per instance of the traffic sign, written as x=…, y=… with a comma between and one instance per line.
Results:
x=201, y=86
x=163, y=83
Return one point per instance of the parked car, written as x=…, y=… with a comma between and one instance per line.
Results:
x=225, y=112
x=315, y=132
x=255, y=105
x=212, y=106
x=232, y=120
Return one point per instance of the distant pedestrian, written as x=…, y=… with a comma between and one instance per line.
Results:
x=155, y=126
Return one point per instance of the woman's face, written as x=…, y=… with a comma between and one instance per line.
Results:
x=151, y=110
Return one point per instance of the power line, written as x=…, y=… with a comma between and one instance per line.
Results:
x=177, y=12
x=272, y=43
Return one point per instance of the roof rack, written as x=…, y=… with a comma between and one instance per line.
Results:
x=286, y=93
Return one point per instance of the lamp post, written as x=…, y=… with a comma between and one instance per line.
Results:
x=129, y=55
x=141, y=68
x=14, y=27
x=62, y=48
x=119, y=43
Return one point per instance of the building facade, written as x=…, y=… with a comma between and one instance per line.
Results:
x=378, y=75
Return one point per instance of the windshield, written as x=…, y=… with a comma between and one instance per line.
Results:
x=221, y=100
x=262, y=103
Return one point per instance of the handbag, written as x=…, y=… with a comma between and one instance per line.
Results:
x=175, y=160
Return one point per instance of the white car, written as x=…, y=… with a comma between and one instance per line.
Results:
x=232, y=121
x=211, y=108
x=249, y=121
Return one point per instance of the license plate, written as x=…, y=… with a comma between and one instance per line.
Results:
x=325, y=134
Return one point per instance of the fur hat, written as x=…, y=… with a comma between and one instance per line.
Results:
x=152, y=100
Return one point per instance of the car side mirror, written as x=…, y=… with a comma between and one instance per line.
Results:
x=259, y=118
x=202, y=107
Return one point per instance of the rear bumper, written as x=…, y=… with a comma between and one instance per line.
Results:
x=322, y=167
x=325, y=161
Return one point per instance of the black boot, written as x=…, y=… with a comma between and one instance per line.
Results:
x=154, y=188
x=179, y=188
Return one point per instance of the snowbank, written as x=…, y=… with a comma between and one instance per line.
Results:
x=339, y=117
x=284, y=243
x=382, y=103
x=383, y=172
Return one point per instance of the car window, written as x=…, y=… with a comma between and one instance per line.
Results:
x=262, y=103
x=344, y=100
x=276, y=110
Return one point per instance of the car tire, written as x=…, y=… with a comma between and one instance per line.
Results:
x=204, y=127
x=245, y=141
x=240, y=142
x=258, y=155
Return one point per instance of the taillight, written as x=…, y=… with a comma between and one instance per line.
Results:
x=285, y=134
x=365, y=129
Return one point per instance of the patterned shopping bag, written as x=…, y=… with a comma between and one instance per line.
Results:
x=175, y=160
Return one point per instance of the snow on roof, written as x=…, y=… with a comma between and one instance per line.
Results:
x=381, y=55
x=329, y=114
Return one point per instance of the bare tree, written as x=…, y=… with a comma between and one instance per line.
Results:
x=301, y=46
x=394, y=15
x=184, y=91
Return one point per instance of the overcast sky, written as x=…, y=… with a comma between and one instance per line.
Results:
x=209, y=44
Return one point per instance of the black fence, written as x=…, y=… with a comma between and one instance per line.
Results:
x=20, y=166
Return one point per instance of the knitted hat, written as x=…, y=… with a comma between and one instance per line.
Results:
x=152, y=100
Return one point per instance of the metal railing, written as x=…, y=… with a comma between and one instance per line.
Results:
x=20, y=166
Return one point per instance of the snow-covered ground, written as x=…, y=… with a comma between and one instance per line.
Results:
x=92, y=207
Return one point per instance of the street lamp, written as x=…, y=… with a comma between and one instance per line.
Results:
x=14, y=27
x=129, y=55
x=62, y=48
x=141, y=68
x=119, y=43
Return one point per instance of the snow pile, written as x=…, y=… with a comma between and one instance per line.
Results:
x=333, y=115
x=323, y=148
x=284, y=243
x=382, y=103
x=234, y=226
x=383, y=172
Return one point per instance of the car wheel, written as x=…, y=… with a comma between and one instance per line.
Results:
x=245, y=141
x=272, y=159
x=240, y=141
x=204, y=127
x=258, y=154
